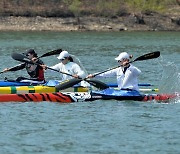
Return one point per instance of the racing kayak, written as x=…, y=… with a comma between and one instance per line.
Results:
x=4, y=83
x=48, y=89
x=69, y=97
x=39, y=89
x=7, y=83
x=25, y=87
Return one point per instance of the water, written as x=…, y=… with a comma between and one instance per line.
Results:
x=99, y=126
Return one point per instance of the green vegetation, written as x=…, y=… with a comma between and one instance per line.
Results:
x=150, y=5
x=77, y=8
x=74, y=7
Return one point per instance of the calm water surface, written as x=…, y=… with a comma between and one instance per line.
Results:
x=99, y=126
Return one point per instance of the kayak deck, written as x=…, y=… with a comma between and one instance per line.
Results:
x=39, y=89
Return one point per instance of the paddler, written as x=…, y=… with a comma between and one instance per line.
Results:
x=67, y=65
x=35, y=72
x=127, y=74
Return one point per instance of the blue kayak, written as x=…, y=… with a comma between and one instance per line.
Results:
x=6, y=83
x=117, y=92
x=111, y=93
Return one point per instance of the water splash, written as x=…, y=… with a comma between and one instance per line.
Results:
x=77, y=61
x=177, y=100
x=170, y=80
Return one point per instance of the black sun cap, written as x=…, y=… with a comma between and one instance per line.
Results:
x=31, y=51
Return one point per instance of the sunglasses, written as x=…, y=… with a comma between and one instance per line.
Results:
x=62, y=59
x=121, y=60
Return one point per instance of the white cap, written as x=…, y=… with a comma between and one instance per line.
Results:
x=63, y=55
x=123, y=55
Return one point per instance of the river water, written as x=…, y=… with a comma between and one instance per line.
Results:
x=100, y=126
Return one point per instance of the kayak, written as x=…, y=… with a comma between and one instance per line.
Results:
x=7, y=83
x=48, y=89
x=116, y=94
x=25, y=87
x=39, y=89
x=69, y=97
x=4, y=83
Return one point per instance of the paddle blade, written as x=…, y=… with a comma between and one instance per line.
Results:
x=68, y=83
x=98, y=84
x=147, y=56
x=54, y=52
x=21, y=58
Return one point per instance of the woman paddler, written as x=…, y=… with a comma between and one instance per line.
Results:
x=67, y=65
x=36, y=72
x=126, y=74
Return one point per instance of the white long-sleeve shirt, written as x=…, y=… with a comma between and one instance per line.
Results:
x=129, y=80
x=70, y=68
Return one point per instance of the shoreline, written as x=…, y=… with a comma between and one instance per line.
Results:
x=153, y=22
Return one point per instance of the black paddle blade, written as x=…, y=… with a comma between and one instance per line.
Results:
x=98, y=84
x=147, y=56
x=70, y=83
x=54, y=52
x=21, y=58
x=67, y=83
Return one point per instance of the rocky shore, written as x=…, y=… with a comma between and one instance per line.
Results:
x=132, y=22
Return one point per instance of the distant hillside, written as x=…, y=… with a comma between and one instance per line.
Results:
x=90, y=15
x=79, y=8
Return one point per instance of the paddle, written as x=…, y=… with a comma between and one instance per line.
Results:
x=50, y=53
x=100, y=84
x=22, y=58
x=147, y=56
x=65, y=84
x=11, y=68
x=71, y=82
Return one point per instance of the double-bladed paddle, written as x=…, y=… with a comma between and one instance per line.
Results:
x=71, y=82
x=65, y=84
x=50, y=53
x=22, y=58
x=100, y=84
x=147, y=56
